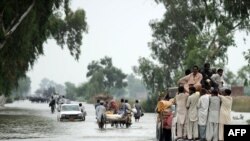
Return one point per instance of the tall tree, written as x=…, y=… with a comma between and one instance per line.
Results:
x=229, y=77
x=136, y=88
x=49, y=87
x=105, y=76
x=244, y=75
x=153, y=75
x=71, y=91
x=192, y=32
x=26, y=25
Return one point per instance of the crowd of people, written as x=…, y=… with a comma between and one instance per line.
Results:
x=123, y=108
x=203, y=105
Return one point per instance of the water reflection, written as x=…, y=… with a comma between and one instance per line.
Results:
x=34, y=122
x=20, y=123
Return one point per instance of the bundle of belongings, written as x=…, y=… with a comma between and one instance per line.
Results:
x=110, y=115
x=164, y=104
x=166, y=115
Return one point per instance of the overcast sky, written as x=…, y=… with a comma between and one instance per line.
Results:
x=117, y=28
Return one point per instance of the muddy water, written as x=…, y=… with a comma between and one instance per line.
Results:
x=28, y=121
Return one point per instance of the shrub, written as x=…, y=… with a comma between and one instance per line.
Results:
x=241, y=104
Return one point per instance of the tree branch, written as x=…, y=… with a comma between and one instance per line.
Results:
x=21, y=19
x=1, y=21
x=210, y=45
x=205, y=3
x=17, y=24
x=238, y=24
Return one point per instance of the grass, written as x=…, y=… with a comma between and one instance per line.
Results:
x=241, y=104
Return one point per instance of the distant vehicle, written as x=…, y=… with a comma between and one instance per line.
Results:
x=71, y=112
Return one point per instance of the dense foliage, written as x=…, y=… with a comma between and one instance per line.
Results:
x=25, y=26
x=191, y=32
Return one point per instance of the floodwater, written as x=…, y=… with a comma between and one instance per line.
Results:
x=26, y=121
x=23, y=120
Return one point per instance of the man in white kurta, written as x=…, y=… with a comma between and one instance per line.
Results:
x=193, y=79
x=213, y=117
x=218, y=79
x=202, y=106
x=192, y=121
x=225, y=112
x=100, y=111
x=181, y=110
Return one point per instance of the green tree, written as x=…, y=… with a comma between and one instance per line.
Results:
x=244, y=75
x=136, y=88
x=192, y=32
x=49, y=87
x=26, y=25
x=238, y=8
x=104, y=76
x=153, y=75
x=229, y=77
x=71, y=91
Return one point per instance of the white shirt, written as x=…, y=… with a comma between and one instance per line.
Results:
x=217, y=79
x=214, y=109
x=192, y=102
x=100, y=110
x=202, y=106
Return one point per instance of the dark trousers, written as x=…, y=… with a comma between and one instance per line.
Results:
x=166, y=135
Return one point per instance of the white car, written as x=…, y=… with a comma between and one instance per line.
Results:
x=71, y=112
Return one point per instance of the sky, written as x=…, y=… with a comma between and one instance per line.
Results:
x=118, y=29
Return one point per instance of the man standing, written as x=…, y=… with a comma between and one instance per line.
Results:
x=100, y=111
x=202, y=106
x=128, y=107
x=181, y=110
x=97, y=103
x=52, y=104
x=213, y=117
x=122, y=108
x=193, y=79
x=192, y=122
x=225, y=112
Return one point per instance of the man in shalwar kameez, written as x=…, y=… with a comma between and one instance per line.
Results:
x=213, y=117
x=225, y=112
x=193, y=79
x=181, y=101
x=192, y=121
x=202, y=106
x=100, y=111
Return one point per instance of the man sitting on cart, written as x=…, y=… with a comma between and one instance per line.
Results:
x=113, y=107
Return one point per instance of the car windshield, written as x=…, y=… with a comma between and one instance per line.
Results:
x=70, y=108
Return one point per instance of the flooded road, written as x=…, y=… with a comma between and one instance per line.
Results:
x=23, y=120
